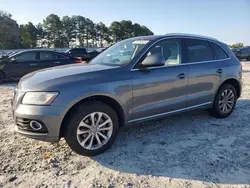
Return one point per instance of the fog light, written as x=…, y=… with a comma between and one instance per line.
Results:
x=36, y=125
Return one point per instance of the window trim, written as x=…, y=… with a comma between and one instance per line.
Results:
x=181, y=64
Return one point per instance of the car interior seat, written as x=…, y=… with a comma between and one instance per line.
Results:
x=171, y=57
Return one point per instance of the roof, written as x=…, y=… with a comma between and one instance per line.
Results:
x=153, y=37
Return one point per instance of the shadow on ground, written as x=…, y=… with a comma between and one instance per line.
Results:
x=187, y=146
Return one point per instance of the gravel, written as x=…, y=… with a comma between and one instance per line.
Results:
x=187, y=150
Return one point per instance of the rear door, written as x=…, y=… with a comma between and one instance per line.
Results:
x=46, y=60
x=204, y=71
x=21, y=64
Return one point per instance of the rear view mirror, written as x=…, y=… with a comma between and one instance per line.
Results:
x=153, y=61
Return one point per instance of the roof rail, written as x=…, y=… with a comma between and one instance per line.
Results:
x=190, y=35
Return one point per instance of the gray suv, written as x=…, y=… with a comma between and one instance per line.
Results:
x=160, y=76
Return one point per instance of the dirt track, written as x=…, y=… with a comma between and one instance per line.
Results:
x=188, y=150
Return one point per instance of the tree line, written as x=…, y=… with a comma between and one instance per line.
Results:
x=65, y=32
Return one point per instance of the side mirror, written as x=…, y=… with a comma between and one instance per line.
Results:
x=153, y=61
x=13, y=60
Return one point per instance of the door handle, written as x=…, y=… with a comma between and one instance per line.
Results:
x=219, y=71
x=33, y=64
x=57, y=62
x=181, y=76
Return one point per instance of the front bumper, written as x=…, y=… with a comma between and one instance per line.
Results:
x=51, y=116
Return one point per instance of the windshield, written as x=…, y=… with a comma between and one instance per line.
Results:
x=120, y=53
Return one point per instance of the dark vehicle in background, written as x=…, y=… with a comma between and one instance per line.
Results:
x=242, y=53
x=78, y=52
x=82, y=53
x=21, y=63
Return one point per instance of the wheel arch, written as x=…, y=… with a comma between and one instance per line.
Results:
x=108, y=100
x=234, y=82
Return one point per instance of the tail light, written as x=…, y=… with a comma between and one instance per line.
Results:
x=78, y=61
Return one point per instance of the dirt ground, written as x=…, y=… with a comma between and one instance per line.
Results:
x=187, y=150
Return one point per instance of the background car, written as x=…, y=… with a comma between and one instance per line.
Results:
x=82, y=53
x=21, y=63
x=242, y=53
x=78, y=52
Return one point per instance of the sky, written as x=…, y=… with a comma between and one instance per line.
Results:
x=226, y=20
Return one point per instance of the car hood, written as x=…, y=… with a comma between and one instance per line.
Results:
x=47, y=78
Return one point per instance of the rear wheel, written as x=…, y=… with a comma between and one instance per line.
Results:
x=92, y=128
x=225, y=101
x=248, y=59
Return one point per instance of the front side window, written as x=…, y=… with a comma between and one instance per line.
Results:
x=169, y=49
x=197, y=51
x=27, y=56
x=120, y=53
x=218, y=51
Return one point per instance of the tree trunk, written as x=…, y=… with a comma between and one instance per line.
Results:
x=87, y=39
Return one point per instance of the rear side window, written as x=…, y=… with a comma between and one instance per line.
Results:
x=51, y=56
x=46, y=56
x=197, y=50
x=218, y=51
x=59, y=56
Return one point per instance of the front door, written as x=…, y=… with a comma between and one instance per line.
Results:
x=158, y=91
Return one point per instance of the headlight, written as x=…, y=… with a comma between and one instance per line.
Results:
x=39, y=98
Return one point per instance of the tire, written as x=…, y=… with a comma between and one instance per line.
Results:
x=81, y=115
x=216, y=110
x=248, y=58
x=1, y=77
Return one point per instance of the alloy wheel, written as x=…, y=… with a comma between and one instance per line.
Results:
x=94, y=130
x=226, y=101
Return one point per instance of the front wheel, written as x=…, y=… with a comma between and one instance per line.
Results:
x=225, y=101
x=92, y=128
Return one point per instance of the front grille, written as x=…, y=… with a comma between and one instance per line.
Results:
x=24, y=124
